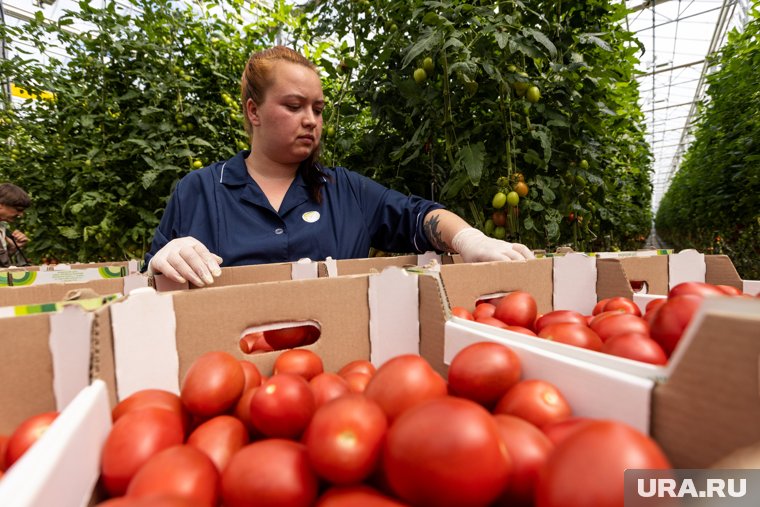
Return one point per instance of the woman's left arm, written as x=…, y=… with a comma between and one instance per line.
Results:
x=448, y=232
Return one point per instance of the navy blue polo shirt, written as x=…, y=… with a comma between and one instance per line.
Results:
x=224, y=208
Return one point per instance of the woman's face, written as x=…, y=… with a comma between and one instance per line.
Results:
x=288, y=124
x=9, y=213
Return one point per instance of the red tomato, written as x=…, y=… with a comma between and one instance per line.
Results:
x=243, y=411
x=558, y=431
x=519, y=329
x=599, y=307
x=537, y=401
x=528, y=449
x=261, y=344
x=183, y=471
x=635, y=346
x=446, y=452
x=301, y=362
x=588, y=467
x=671, y=320
x=3, y=446
x=462, y=312
x=212, y=384
x=152, y=398
x=291, y=337
x=133, y=439
x=402, y=382
x=26, y=434
x=219, y=438
x=361, y=365
x=701, y=289
x=483, y=372
x=357, y=381
x=283, y=406
x=248, y=341
x=559, y=316
x=356, y=496
x=483, y=310
x=328, y=386
x=622, y=304
x=251, y=374
x=151, y=501
x=517, y=309
x=619, y=323
x=653, y=305
x=492, y=321
x=578, y=335
x=729, y=290
x=345, y=438
x=270, y=473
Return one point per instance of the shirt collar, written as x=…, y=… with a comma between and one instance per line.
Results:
x=235, y=173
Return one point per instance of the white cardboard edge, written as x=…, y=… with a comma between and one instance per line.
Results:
x=428, y=258
x=331, y=265
x=686, y=266
x=134, y=281
x=591, y=390
x=751, y=287
x=394, y=327
x=69, y=343
x=643, y=299
x=144, y=343
x=63, y=466
x=304, y=269
x=574, y=286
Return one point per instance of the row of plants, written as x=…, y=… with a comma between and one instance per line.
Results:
x=521, y=116
x=711, y=203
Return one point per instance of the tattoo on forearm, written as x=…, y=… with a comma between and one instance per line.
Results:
x=434, y=235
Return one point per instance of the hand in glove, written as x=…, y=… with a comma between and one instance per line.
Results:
x=474, y=246
x=186, y=259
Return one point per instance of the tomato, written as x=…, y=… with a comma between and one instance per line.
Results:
x=619, y=323
x=521, y=188
x=357, y=381
x=653, y=305
x=533, y=94
x=578, y=335
x=420, y=75
x=520, y=329
x=301, y=362
x=345, y=438
x=402, y=382
x=729, y=290
x=622, y=304
x=517, y=308
x=537, y=401
x=219, y=438
x=557, y=316
x=248, y=342
x=251, y=374
x=528, y=450
x=182, y=470
x=599, y=307
x=25, y=435
x=492, y=321
x=671, y=320
x=261, y=344
x=355, y=496
x=151, y=501
x=462, y=313
x=635, y=346
x=360, y=365
x=483, y=372
x=291, y=337
x=499, y=200
x=588, y=467
x=270, y=473
x=327, y=386
x=513, y=199
x=151, y=398
x=283, y=406
x=3, y=446
x=558, y=431
x=243, y=410
x=133, y=439
x=446, y=452
x=483, y=310
x=212, y=384
x=701, y=289
x=499, y=218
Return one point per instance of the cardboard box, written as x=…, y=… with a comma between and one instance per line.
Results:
x=63, y=466
x=699, y=407
x=332, y=267
x=150, y=339
x=52, y=292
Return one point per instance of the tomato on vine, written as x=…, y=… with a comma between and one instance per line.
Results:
x=521, y=188
x=420, y=75
x=533, y=94
x=499, y=200
x=513, y=199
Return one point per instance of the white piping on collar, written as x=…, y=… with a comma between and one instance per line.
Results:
x=221, y=176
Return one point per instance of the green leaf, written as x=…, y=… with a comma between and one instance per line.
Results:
x=472, y=156
x=423, y=45
x=588, y=38
x=502, y=39
x=543, y=40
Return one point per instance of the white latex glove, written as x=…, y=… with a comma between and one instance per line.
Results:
x=474, y=246
x=186, y=259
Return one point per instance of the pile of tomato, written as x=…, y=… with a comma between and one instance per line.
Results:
x=615, y=326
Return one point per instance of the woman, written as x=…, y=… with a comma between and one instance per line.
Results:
x=13, y=202
x=275, y=203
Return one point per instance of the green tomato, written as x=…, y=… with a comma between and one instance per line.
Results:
x=197, y=164
x=489, y=228
x=499, y=200
x=583, y=164
x=420, y=75
x=500, y=232
x=533, y=94
x=513, y=199
x=330, y=131
x=428, y=65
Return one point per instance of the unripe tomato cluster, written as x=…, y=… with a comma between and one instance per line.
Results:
x=505, y=203
x=615, y=326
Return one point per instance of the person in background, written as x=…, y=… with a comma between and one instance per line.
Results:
x=277, y=203
x=13, y=203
